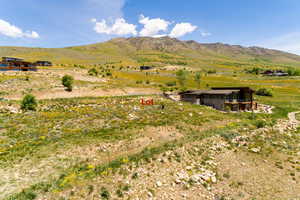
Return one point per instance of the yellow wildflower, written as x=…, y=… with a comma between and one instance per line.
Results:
x=43, y=137
x=90, y=166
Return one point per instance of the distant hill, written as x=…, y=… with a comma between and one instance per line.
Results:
x=157, y=51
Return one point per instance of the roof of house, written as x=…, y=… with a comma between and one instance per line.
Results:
x=43, y=61
x=199, y=92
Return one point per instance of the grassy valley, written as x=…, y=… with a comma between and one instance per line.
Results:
x=98, y=142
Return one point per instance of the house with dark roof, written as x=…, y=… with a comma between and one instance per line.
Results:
x=145, y=67
x=43, y=63
x=275, y=73
x=16, y=64
x=224, y=98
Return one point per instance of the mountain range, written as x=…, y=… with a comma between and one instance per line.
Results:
x=157, y=51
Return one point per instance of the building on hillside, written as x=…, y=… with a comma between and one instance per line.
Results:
x=16, y=64
x=11, y=59
x=145, y=67
x=225, y=98
x=275, y=73
x=43, y=63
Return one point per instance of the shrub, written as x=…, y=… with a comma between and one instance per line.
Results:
x=260, y=123
x=212, y=71
x=135, y=175
x=254, y=70
x=104, y=193
x=171, y=83
x=93, y=72
x=119, y=193
x=264, y=92
x=29, y=103
x=67, y=81
x=198, y=79
x=164, y=89
x=181, y=76
x=293, y=72
x=126, y=188
x=183, y=89
x=90, y=189
x=28, y=195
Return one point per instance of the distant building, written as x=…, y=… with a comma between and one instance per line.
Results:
x=10, y=59
x=274, y=73
x=225, y=98
x=145, y=67
x=16, y=64
x=43, y=63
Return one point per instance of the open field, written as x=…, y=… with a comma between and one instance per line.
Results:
x=72, y=148
x=99, y=142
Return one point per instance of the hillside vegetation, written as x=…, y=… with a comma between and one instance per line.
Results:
x=96, y=140
x=159, y=51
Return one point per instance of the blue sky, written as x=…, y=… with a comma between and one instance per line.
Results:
x=60, y=23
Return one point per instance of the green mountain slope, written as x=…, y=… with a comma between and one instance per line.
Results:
x=157, y=51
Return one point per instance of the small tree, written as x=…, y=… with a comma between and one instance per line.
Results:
x=28, y=103
x=181, y=76
x=264, y=92
x=67, y=81
x=93, y=72
x=198, y=79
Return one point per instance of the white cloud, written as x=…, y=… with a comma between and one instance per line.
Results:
x=32, y=34
x=10, y=30
x=155, y=27
x=289, y=42
x=152, y=27
x=182, y=29
x=120, y=27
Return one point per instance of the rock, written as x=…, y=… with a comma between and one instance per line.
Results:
x=177, y=181
x=196, y=178
x=182, y=175
x=158, y=184
x=255, y=150
x=150, y=194
x=213, y=179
